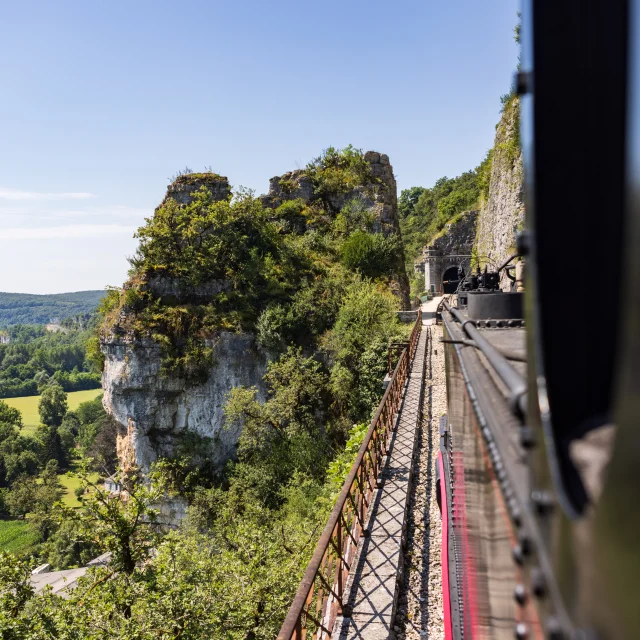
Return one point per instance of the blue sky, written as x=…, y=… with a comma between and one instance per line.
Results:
x=103, y=101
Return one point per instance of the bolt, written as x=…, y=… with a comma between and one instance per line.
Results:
x=517, y=554
x=543, y=501
x=525, y=544
x=538, y=583
x=522, y=631
x=520, y=594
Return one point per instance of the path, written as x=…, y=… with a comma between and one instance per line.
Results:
x=382, y=589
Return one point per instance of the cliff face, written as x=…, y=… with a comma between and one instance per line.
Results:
x=458, y=236
x=164, y=413
x=502, y=215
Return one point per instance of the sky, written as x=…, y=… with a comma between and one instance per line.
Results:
x=103, y=101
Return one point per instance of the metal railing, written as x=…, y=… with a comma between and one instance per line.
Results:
x=318, y=601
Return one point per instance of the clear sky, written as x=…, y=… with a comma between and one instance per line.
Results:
x=103, y=101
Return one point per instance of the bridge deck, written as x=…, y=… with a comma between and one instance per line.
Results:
x=372, y=588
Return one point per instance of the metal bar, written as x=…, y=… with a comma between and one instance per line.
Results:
x=295, y=624
x=513, y=380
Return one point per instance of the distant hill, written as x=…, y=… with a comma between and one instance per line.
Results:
x=27, y=308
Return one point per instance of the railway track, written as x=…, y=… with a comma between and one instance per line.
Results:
x=420, y=612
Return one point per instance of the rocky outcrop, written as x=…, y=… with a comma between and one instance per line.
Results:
x=379, y=195
x=290, y=186
x=169, y=415
x=183, y=187
x=502, y=215
x=457, y=237
x=162, y=415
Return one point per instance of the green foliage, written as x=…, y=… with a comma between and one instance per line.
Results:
x=34, y=356
x=355, y=215
x=358, y=342
x=416, y=285
x=370, y=254
x=35, y=496
x=509, y=144
x=291, y=216
x=17, y=536
x=408, y=200
x=282, y=435
x=53, y=405
x=229, y=246
x=436, y=206
x=484, y=176
x=338, y=171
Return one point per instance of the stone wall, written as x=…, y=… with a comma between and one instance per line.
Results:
x=502, y=215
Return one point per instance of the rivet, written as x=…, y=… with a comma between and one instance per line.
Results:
x=522, y=631
x=520, y=594
x=538, y=583
x=517, y=554
x=525, y=544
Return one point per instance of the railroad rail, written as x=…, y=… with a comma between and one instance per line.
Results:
x=318, y=601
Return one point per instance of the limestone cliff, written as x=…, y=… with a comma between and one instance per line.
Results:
x=502, y=213
x=167, y=413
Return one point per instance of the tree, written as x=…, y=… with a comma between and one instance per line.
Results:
x=408, y=200
x=123, y=523
x=53, y=405
x=9, y=415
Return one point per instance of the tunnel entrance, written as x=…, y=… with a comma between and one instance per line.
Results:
x=451, y=279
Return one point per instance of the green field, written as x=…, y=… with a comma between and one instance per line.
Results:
x=69, y=485
x=28, y=406
x=16, y=536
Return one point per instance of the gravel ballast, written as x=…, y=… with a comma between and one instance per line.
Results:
x=419, y=613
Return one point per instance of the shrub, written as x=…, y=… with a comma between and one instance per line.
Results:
x=338, y=171
x=370, y=254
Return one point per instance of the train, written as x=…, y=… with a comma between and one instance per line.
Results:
x=538, y=474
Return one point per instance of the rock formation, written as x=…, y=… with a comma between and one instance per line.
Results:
x=164, y=414
x=502, y=215
x=380, y=195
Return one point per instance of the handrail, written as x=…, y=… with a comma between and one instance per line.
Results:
x=318, y=601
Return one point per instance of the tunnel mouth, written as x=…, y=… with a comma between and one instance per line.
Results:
x=450, y=279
